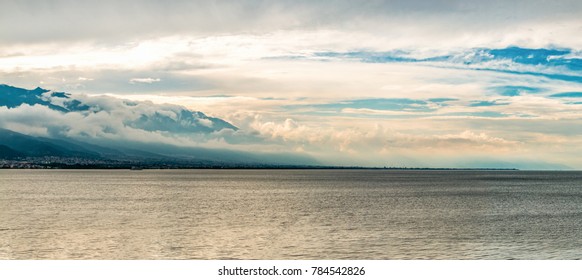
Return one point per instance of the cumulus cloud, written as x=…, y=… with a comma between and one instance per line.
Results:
x=361, y=141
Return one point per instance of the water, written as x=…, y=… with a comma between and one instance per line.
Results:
x=290, y=214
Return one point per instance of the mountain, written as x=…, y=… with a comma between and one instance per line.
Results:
x=147, y=116
x=66, y=152
x=12, y=97
x=104, y=131
x=24, y=145
x=8, y=153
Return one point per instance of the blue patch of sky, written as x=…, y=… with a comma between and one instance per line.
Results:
x=574, y=94
x=546, y=57
x=561, y=77
x=369, y=57
x=379, y=57
x=271, y=98
x=384, y=104
x=394, y=104
x=527, y=56
x=486, y=104
x=549, y=58
x=357, y=115
x=442, y=100
x=484, y=114
x=387, y=104
x=516, y=90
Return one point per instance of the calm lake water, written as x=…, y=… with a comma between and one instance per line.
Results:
x=290, y=214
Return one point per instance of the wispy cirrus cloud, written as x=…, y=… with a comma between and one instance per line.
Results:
x=551, y=63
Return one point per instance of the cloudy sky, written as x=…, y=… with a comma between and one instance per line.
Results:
x=383, y=83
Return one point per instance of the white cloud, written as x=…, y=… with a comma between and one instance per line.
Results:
x=144, y=80
x=205, y=122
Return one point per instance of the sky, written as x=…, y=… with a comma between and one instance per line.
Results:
x=373, y=83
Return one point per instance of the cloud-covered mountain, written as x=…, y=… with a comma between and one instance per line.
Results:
x=108, y=131
x=146, y=116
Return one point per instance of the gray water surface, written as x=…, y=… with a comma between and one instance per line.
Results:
x=290, y=214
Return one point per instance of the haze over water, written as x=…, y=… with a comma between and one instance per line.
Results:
x=290, y=214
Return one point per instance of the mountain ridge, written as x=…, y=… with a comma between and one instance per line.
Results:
x=89, y=131
x=148, y=117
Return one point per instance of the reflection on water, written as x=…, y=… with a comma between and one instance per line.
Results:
x=290, y=214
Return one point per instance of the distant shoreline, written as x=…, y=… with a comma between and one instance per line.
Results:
x=136, y=165
x=250, y=167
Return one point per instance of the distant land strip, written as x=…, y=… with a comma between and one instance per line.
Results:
x=42, y=163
